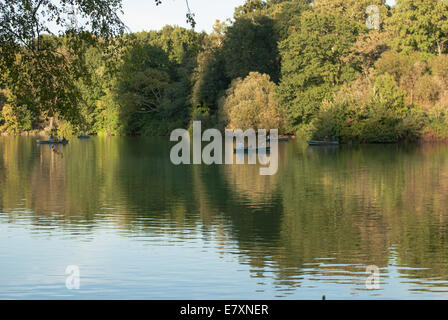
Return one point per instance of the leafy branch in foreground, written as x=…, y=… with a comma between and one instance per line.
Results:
x=36, y=66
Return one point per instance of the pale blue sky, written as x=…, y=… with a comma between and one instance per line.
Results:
x=145, y=15
x=142, y=15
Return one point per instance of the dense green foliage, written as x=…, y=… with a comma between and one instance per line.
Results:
x=372, y=110
x=341, y=80
x=250, y=103
x=329, y=75
x=420, y=25
x=313, y=64
x=41, y=70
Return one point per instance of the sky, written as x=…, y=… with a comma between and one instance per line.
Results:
x=144, y=15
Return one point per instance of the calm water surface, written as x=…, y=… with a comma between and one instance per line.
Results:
x=139, y=227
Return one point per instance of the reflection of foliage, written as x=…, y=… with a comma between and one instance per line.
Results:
x=361, y=201
x=352, y=205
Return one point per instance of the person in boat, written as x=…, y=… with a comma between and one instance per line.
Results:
x=64, y=140
x=53, y=136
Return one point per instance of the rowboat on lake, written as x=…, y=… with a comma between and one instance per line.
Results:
x=247, y=150
x=322, y=143
x=64, y=142
x=84, y=136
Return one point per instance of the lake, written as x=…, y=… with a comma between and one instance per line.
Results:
x=138, y=227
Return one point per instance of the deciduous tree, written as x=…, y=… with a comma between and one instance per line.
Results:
x=420, y=25
x=251, y=103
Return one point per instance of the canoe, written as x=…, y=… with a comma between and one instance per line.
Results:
x=246, y=150
x=84, y=136
x=51, y=142
x=322, y=143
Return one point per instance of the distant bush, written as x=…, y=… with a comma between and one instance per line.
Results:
x=396, y=64
x=14, y=118
x=439, y=67
x=437, y=126
x=207, y=118
x=427, y=91
x=379, y=115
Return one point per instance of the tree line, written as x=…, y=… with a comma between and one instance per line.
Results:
x=311, y=68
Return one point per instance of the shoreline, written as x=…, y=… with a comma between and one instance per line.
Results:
x=421, y=140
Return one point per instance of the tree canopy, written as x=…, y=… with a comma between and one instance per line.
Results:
x=310, y=67
x=251, y=103
x=420, y=25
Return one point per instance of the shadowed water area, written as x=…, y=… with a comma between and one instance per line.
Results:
x=139, y=227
